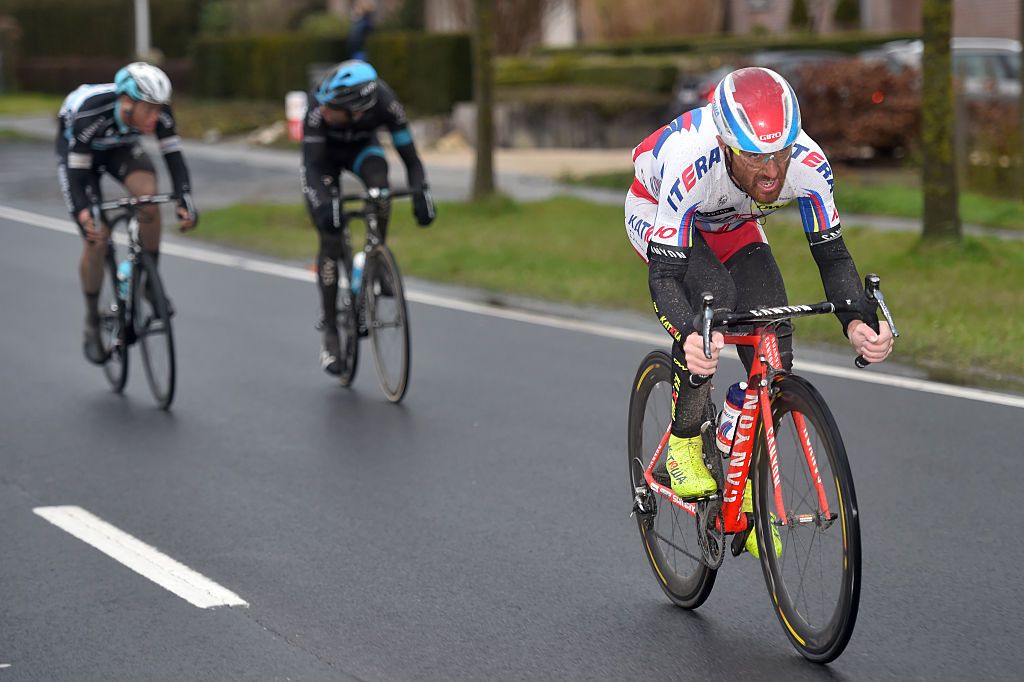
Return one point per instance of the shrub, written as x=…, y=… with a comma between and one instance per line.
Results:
x=989, y=159
x=62, y=28
x=854, y=109
x=851, y=43
x=429, y=72
x=642, y=74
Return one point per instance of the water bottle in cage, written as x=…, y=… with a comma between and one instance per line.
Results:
x=358, y=261
x=727, y=419
x=124, y=276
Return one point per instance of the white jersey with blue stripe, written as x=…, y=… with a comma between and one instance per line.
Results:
x=681, y=168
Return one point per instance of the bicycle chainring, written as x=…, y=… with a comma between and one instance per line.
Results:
x=711, y=532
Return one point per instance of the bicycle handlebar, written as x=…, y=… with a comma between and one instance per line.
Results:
x=143, y=200
x=376, y=193
x=708, y=318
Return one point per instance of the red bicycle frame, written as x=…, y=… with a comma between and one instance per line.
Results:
x=756, y=404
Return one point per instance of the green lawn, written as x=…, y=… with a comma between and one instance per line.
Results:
x=195, y=118
x=858, y=194
x=957, y=306
x=29, y=104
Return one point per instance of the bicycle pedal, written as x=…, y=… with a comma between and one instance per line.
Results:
x=739, y=540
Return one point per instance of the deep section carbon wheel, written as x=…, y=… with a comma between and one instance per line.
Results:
x=669, y=532
x=815, y=581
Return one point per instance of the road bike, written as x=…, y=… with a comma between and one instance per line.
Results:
x=133, y=306
x=374, y=304
x=786, y=440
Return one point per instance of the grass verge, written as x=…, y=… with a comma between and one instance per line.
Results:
x=29, y=104
x=196, y=118
x=953, y=303
x=889, y=198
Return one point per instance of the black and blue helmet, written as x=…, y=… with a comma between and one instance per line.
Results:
x=351, y=86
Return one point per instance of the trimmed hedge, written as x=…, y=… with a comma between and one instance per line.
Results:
x=428, y=72
x=632, y=73
x=104, y=28
x=841, y=42
x=259, y=67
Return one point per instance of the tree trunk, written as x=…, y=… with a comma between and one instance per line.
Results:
x=483, y=95
x=1020, y=110
x=941, y=200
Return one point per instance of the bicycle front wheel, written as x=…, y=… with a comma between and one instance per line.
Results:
x=153, y=330
x=387, y=317
x=669, y=533
x=113, y=318
x=815, y=581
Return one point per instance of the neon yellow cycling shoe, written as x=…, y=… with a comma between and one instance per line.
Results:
x=751, y=543
x=686, y=470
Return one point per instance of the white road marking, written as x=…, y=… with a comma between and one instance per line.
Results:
x=147, y=561
x=872, y=376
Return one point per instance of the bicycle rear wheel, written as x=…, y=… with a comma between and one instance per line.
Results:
x=154, y=331
x=348, y=337
x=669, y=533
x=815, y=583
x=113, y=318
x=387, y=317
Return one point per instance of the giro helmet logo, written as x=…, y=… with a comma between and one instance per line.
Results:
x=768, y=137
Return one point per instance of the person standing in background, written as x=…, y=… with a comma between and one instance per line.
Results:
x=362, y=25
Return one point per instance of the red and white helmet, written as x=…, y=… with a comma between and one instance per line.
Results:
x=755, y=110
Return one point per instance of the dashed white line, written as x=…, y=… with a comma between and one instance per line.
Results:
x=145, y=560
x=872, y=376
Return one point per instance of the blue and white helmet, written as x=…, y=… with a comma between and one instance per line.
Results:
x=143, y=82
x=352, y=86
x=755, y=110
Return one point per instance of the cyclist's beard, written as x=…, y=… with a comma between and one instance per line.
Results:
x=753, y=188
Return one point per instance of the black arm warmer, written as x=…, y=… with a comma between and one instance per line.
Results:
x=83, y=187
x=840, y=279
x=665, y=279
x=179, y=172
x=413, y=166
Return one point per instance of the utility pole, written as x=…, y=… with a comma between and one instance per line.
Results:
x=142, y=42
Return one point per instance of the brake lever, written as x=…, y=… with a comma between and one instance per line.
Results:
x=873, y=291
x=707, y=316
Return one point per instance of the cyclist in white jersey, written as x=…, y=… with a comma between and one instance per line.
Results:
x=703, y=186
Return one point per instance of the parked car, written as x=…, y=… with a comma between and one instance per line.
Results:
x=790, y=63
x=985, y=68
x=696, y=90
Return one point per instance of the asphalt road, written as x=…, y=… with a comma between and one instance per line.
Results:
x=479, y=529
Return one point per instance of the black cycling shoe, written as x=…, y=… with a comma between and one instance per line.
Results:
x=92, y=346
x=330, y=352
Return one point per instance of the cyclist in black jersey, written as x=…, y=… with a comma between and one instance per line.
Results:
x=340, y=133
x=99, y=127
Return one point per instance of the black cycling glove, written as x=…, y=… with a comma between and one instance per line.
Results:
x=185, y=201
x=423, y=206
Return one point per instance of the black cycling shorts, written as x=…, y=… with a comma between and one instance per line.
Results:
x=118, y=162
